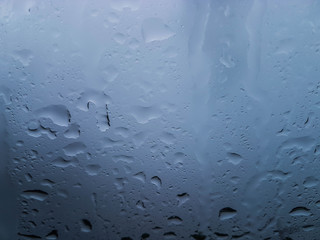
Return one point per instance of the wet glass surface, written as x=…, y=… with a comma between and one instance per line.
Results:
x=128, y=119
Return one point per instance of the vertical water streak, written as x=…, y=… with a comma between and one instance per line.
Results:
x=200, y=69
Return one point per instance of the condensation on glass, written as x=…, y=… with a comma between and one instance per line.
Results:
x=129, y=119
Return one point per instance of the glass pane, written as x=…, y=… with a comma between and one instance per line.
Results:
x=133, y=119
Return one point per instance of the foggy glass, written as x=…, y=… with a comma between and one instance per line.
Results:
x=159, y=119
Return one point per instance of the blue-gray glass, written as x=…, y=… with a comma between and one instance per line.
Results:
x=159, y=119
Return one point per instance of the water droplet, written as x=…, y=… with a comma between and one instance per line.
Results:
x=20, y=143
x=52, y=235
x=29, y=236
x=98, y=98
x=119, y=38
x=199, y=236
x=156, y=181
x=110, y=73
x=308, y=228
x=123, y=158
x=93, y=169
x=121, y=5
x=285, y=46
x=145, y=236
x=178, y=158
x=139, y=139
x=113, y=17
x=122, y=131
x=74, y=149
x=167, y=138
x=62, y=193
x=86, y=225
x=110, y=143
x=140, y=205
x=153, y=29
x=182, y=198
x=140, y=176
x=63, y=163
x=6, y=94
x=170, y=235
x=73, y=131
x=300, y=211
x=145, y=114
x=24, y=56
x=227, y=213
x=133, y=44
x=47, y=182
x=174, y=220
x=227, y=61
x=303, y=143
x=28, y=177
x=58, y=114
x=126, y=238
x=35, y=194
x=170, y=52
x=234, y=158
x=310, y=182
x=221, y=236
x=33, y=125
x=120, y=182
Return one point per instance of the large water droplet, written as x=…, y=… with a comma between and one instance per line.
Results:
x=300, y=211
x=24, y=56
x=58, y=114
x=86, y=225
x=153, y=29
x=73, y=131
x=93, y=169
x=156, y=181
x=227, y=213
x=145, y=114
x=74, y=149
x=35, y=194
